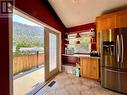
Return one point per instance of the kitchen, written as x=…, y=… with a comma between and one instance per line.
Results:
x=90, y=56
x=106, y=61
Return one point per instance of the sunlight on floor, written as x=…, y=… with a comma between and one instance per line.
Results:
x=26, y=83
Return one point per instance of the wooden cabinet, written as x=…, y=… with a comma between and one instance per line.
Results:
x=105, y=22
x=89, y=68
x=113, y=20
x=121, y=19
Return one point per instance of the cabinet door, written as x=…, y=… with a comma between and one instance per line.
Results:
x=94, y=68
x=87, y=65
x=121, y=19
x=106, y=22
x=123, y=78
x=84, y=67
x=89, y=68
x=110, y=79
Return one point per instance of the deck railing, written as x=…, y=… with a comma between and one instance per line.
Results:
x=26, y=62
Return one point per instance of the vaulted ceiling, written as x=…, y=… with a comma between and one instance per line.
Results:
x=78, y=12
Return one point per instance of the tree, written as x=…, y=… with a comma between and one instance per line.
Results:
x=22, y=44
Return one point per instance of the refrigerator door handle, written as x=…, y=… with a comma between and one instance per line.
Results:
x=122, y=49
x=118, y=49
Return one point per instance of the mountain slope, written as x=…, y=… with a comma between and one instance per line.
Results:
x=28, y=33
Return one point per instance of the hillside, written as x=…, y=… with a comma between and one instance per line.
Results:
x=27, y=33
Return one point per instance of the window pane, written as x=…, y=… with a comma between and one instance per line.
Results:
x=72, y=41
x=28, y=56
x=85, y=43
x=52, y=52
x=85, y=40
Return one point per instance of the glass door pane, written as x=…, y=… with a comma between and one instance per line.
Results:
x=28, y=56
x=52, y=52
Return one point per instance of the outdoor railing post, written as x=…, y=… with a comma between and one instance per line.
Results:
x=37, y=59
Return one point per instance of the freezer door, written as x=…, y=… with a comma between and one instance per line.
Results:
x=123, y=78
x=123, y=35
x=110, y=79
x=110, y=50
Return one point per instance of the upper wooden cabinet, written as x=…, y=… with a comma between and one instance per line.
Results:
x=112, y=20
x=105, y=22
x=121, y=19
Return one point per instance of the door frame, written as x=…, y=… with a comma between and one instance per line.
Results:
x=31, y=18
x=49, y=74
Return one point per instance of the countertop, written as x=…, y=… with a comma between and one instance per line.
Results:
x=81, y=56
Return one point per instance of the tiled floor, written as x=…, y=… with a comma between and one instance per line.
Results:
x=68, y=84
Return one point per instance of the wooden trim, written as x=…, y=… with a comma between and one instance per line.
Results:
x=11, y=55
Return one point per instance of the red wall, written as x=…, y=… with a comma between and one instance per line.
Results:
x=81, y=28
x=4, y=57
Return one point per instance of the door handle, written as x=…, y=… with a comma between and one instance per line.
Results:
x=118, y=49
x=122, y=49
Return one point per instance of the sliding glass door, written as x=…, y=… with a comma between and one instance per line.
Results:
x=36, y=54
x=52, y=56
x=28, y=56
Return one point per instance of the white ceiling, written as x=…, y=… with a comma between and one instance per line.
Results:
x=78, y=12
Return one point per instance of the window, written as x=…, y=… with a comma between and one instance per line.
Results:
x=85, y=42
x=28, y=55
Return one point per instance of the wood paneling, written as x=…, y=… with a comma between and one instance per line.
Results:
x=89, y=68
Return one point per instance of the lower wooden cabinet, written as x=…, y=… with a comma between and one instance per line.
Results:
x=89, y=68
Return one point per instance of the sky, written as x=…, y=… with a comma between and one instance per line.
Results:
x=22, y=20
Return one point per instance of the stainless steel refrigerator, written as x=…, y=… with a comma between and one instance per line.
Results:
x=113, y=63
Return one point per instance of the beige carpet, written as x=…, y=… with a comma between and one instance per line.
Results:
x=68, y=84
